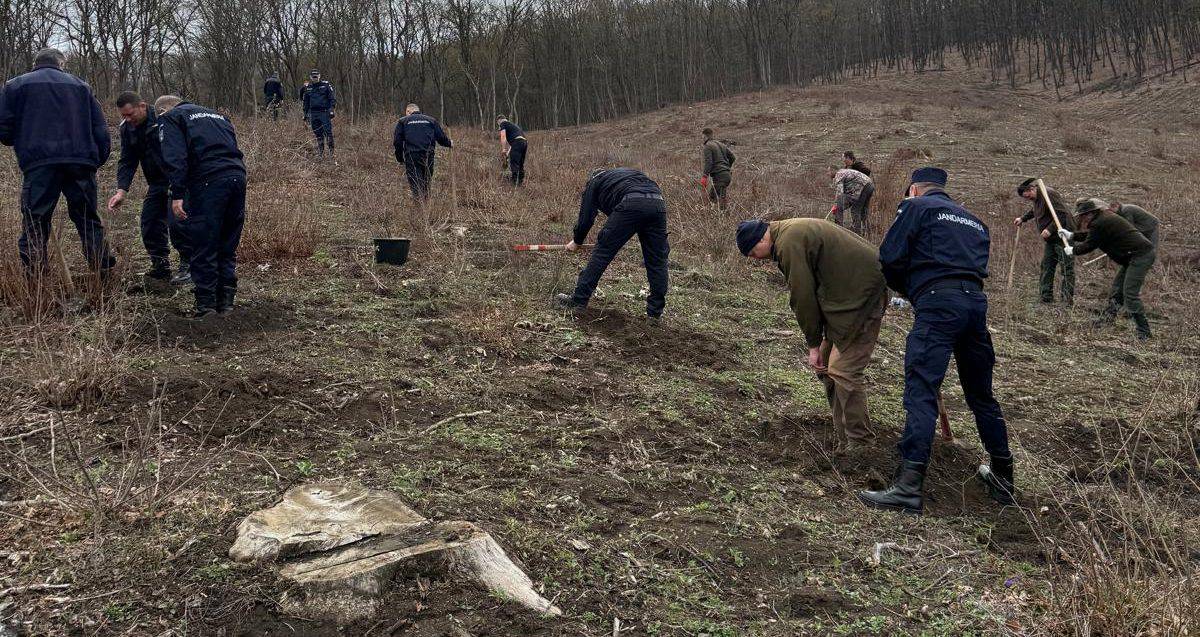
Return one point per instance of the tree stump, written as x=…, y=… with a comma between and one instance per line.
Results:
x=343, y=544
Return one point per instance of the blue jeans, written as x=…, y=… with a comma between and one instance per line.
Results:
x=647, y=218
x=950, y=320
x=216, y=213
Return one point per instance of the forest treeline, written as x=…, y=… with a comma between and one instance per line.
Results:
x=563, y=62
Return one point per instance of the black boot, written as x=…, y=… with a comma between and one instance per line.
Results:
x=998, y=478
x=905, y=494
x=206, y=305
x=1143, y=326
x=567, y=302
x=225, y=300
x=182, y=275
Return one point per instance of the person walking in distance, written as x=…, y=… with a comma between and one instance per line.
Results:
x=273, y=95
x=718, y=168
x=57, y=130
x=415, y=141
x=208, y=192
x=515, y=148
x=140, y=146
x=319, y=104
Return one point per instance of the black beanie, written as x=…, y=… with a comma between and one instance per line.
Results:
x=749, y=233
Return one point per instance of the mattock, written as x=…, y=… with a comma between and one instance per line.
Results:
x=944, y=419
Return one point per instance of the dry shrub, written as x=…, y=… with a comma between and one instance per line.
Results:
x=1074, y=140
x=130, y=473
x=1124, y=547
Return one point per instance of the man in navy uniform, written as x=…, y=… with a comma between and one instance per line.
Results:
x=319, y=102
x=160, y=228
x=273, y=95
x=936, y=255
x=634, y=205
x=416, y=139
x=56, y=127
x=208, y=190
x=515, y=147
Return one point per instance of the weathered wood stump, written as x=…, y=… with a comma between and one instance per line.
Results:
x=343, y=544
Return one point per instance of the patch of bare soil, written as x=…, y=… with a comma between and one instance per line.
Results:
x=643, y=342
x=251, y=319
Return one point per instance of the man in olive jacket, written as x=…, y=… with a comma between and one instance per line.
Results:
x=1126, y=245
x=839, y=296
x=1052, y=253
x=1146, y=223
x=718, y=168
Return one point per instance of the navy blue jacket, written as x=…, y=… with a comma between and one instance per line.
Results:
x=198, y=146
x=933, y=238
x=273, y=91
x=140, y=145
x=511, y=131
x=319, y=98
x=49, y=117
x=605, y=191
x=418, y=132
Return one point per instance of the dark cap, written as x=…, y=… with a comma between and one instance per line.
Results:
x=1085, y=205
x=749, y=233
x=314, y=73
x=929, y=175
x=1025, y=185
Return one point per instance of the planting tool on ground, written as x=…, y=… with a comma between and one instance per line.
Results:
x=547, y=247
x=1053, y=215
x=944, y=419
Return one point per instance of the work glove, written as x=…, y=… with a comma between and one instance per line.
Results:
x=1066, y=234
x=1069, y=251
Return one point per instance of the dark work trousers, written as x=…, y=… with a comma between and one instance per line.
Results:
x=718, y=190
x=274, y=106
x=859, y=210
x=1054, y=257
x=418, y=167
x=39, y=196
x=1127, y=290
x=647, y=218
x=322, y=128
x=516, y=160
x=951, y=318
x=216, y=212
x=161, y=230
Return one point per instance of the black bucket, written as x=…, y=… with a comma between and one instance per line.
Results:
x=392, y=251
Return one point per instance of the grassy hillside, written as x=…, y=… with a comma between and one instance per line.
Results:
x=693, y=459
